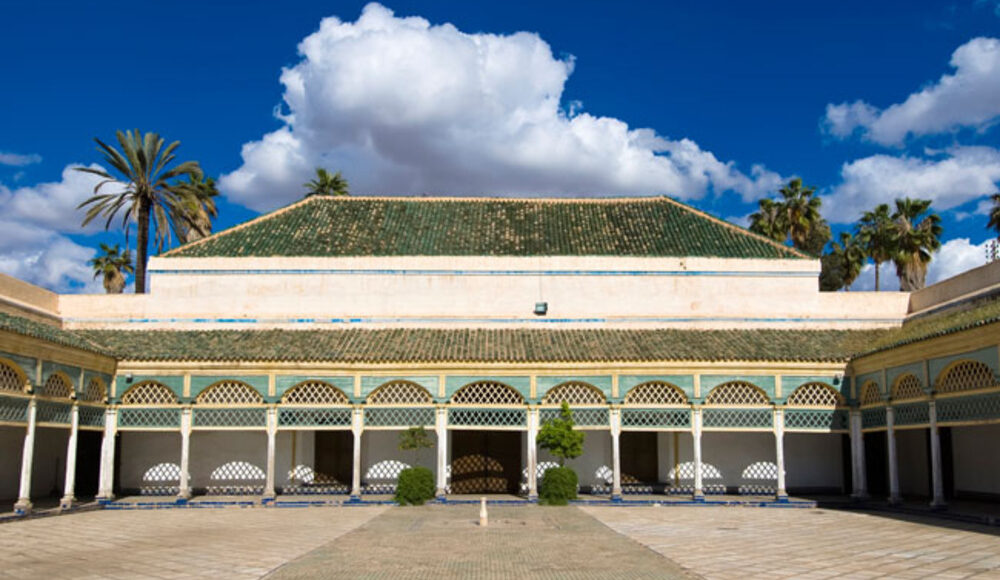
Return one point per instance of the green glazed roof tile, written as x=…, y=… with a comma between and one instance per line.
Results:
x=47, y=332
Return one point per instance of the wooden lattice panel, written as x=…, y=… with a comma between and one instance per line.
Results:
x=487, y=393
x=56, y=386
x=94, y=392
x=574, y=393
x=966, y=375
x=229, y=393
x=870, y=394
x=150, y=393
x=907, y=387
x=400, y=393
x=655, y=393
x=815, y=395
x=314, y=393
x=737, y=394
x=10, y=379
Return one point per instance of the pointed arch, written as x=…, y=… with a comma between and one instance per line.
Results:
x=965, y=375
x=57, y=386
x=149, y=393
x=907, y=386
x=738, y=393
x=815, y=394
x=12, y=378
x=400, y=393
x=870, y=394
x=656, y=393
x=487, y=393
x=314, y=393
x=575, y=393
x=229, y=393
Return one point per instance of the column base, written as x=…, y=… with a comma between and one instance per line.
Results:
x=67, y=502
x=105, y=498
x=268, y=498
x=895, y=500
x=183, y=497
x=781, y=497
x=23, y=507
x=939, y=504
x=698, y=497
x=354, y=498
x=862, y=496
x=533, y=496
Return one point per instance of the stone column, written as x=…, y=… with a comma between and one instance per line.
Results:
x=532, y=453
x=890, y=424
x=937, y=478
x=699, y=490
x=184, y=489
x=272, y=432
x=23, y=505
x=858, y=472
x=69, y=488
x=107, y=478
x=781, y=494
x=441, y=429
x=357, y=427
x=616, y=454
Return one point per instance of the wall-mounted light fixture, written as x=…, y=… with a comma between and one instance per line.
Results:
x=128, y=378
x=541, y=308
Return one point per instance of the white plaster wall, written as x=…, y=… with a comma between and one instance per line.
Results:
x=593, y=467
x=48, y=471
x=738, y=459
x=244, y=451
x=813, y=462
x=381, y=459
x=11, y=445
x=141, y=453
x=976, y=458
x=911, y=448
x=293, y=449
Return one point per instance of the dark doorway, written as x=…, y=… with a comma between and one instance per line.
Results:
x=876, y=463
x=638, y=457
x=486, y=462
x=334, y=458
x=88, y=463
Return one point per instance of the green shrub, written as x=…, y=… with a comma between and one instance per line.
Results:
x=415, y=486
x=558, y=486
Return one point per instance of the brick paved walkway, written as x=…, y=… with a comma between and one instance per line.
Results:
x=443, y=542
x=776, y=543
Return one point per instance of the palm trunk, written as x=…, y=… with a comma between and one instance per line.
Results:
x=877, y=264
x=142, y=243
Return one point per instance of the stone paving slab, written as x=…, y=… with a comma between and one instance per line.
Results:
x=442, y=542
x=719, y=542
x=207, y=543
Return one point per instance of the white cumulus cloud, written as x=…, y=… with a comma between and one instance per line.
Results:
x=952, y=258
x=402, y=106
x=18, y=160
x=967, y=98
x=948, y=179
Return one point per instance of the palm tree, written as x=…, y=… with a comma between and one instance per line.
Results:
x=769, y=220
x=995, y=214
x=112, y=265
x=875, y=234
x=148, y=189
x=852, y=257
x=195, y=212
x=917, y=237
x=326, y=184
x=801, y=213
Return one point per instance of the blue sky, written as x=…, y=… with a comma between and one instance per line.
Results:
x=714, y=103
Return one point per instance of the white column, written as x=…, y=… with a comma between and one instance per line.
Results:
x=858, y=472
x=937, y=478
x=357, y=427
x=890, y=424
x=441, y=429
x=272, y=432
x=616, y=454
x=107, y=477
x=184, y=491
x=69, y=491
x=533, y=453
x=23, y=505
x=779, y=453
x=699, y=491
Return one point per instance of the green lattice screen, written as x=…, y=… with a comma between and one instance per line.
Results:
x=873, y=418
x=737, y=418
x=138, y=418
x=974, y=408
x=53, y=412
x=911, y=414
x=91, y=416
x=656, y=418
x=816, y=419
x=13, y=410
x=401, y=417
x=316, y=417
x=230, y=417
x=475, y=417
x=582, y=416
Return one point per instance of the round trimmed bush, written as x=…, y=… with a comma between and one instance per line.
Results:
x=558, y=486
x=415, y=486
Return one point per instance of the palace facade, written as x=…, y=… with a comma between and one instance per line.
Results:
x=283, y=356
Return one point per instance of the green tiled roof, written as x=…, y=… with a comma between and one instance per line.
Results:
x=965, y=316
x=416, y=345
x=359, y=226
x=50, y=333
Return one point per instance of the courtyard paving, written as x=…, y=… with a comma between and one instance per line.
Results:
x=444, y=541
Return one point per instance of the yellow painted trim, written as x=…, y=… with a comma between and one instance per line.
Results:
x=533, y=388
x=186, y=389
x=697, y=386
x=615, y=389
x=777, y=386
